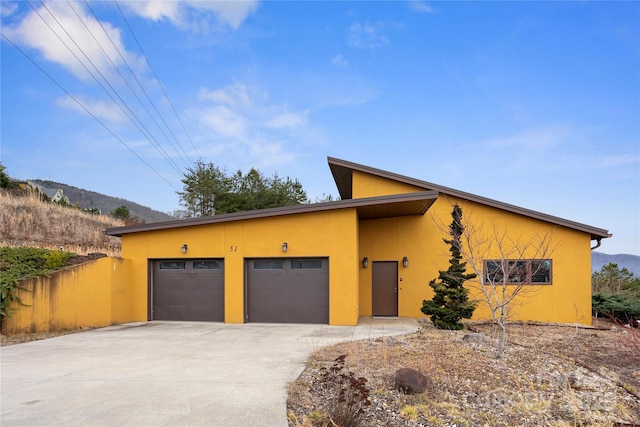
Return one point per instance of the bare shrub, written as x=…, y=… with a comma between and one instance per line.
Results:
x=629, y=339
x=348, y=395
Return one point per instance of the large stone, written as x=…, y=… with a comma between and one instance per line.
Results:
x=411, y=381
x=474, y=337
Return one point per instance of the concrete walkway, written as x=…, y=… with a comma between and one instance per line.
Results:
x=167, y=373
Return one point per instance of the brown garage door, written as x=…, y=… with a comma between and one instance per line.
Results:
x=288, y=290
x=187, y=290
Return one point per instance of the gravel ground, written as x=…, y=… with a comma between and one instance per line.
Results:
x=18, y=339
x=550, y=376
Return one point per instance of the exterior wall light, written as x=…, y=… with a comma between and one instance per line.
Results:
x=284, y=247
x=405, y=262
x=365, y=262
x=184, y=248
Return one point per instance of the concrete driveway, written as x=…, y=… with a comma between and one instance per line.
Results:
x=167, y=373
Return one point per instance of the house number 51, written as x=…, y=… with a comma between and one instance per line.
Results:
x=233, y=249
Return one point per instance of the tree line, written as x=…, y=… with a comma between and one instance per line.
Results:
x=209, y=190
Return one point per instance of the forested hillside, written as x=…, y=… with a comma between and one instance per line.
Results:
x=105, y=204
x=630, y=262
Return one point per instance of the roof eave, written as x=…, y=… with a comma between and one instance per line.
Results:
x=340, y=167
x=428, y=197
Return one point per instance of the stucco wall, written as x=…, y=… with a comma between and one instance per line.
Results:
x=332, y=234
x=84, y=296
x=567, y=299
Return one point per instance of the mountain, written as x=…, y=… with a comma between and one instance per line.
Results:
x=106, y=204
x=630, y=262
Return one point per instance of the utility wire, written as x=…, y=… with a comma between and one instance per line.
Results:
x=87, y=110
x=120, y=73
x=139, y=123
x=158, y=80
x=184, y=156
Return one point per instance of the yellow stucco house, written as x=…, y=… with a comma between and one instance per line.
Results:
x=370, y=254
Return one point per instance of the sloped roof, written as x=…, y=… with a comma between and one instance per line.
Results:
x=342, y=171
x=367, y=208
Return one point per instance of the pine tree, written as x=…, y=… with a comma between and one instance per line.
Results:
x=450, y=301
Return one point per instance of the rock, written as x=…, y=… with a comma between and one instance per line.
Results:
x=410, y=381
x=571, y=381
x=474, y=337
x=96, y=255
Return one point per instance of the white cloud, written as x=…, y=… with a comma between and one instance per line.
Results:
x=100, y=109
x=287, y=120
x=224, y=121
x=271, y=152
x=233, y=95
x=60, y=36
x=367, y=36
x=558, y=150
x=585, y=161
x=241, y=122
x=420, y=7
x=614, y=161
x=7, y=9
x=339, y=61
x=195, y=14
x=157, y=10
x=533, y=139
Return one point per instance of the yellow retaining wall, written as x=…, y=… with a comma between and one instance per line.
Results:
x=88, y=295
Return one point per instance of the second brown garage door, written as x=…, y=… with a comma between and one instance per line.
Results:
x=284, y=290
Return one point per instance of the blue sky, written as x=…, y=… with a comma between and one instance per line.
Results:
x=531, y=103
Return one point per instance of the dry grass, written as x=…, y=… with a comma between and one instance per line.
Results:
x=36, y=336
x=558, y=376
x=28, y=221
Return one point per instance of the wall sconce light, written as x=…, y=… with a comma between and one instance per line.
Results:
x=284, y=247
x=405, y=262
x=365, y=262
x=184, y=248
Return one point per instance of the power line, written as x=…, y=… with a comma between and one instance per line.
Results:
x=158, y=80
x=139, y=123
x=86, y=110
x=184, y=156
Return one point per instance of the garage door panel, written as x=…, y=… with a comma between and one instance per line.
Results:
x=288, y=314
x=190, y=290
x=184, y=313
x=294, y=291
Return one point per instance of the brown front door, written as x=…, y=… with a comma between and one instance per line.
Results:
x=385, y=288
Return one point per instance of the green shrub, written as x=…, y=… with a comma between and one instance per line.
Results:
x=616, y=294
x=55, y=260
x=623, y=307
x=17, y=264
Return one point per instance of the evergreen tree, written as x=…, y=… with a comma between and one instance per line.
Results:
x=121, y=212
x=208, y=190
x=5, y=181
x=450, y=301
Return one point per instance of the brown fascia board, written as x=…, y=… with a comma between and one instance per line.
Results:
x=427, y=197
x=340, y=167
